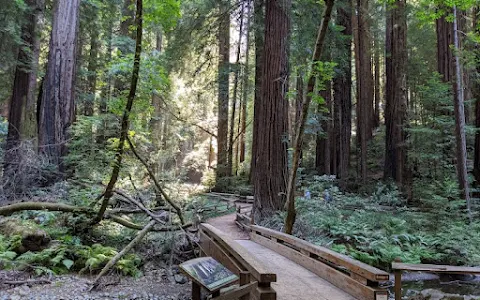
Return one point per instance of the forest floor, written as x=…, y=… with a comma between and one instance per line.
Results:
x=154, y=285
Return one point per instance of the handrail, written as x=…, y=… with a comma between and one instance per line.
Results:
x=358, y=279
x=217, y=244
x=398, y=268
x=351, y=265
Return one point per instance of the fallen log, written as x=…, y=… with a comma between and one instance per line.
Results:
x=16, y=207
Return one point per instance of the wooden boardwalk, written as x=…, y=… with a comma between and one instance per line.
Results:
x=299, y=275
x=293, y=280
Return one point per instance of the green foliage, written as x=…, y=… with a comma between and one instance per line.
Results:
x=379, y=228
x=65, y=255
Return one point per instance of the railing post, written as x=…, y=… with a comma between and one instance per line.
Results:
x=196, y=291
x=398, y=285
x=244, y=279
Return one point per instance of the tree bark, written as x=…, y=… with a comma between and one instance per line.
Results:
x=298, y=139
x=57, y=107
x=444, y=30
x=21, y=119
x=271, y=141
x=259, y=21
x=342, y=91
x=246, y=87
x=459, y=110
x=223, y=89
x=396, y=93
x=364, y=85
x=476, y=96
x=377, y=76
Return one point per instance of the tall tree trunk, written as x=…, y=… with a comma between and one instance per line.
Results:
x=342, y=90
x=21, y=119
x=271, y=154
x=22, y=102
x=396, y=93
x=476, y=96
x=462, y=172
x=444, y=31
x=246, y=87
x=231, y=141
x=57, y=107
x=364, y=85
x=376, y=59
x=259, y=21
x=298, y=139
x=223, y=89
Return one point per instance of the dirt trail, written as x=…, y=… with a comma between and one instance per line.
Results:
x=227, y=224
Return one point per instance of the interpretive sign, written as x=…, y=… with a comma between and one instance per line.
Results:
x=209, y=273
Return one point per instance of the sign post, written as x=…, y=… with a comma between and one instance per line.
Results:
x=208, y=273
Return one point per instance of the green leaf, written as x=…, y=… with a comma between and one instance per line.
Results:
x=10, y=255
x=68, y=263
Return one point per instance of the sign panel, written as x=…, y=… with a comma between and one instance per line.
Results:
x=208, y=272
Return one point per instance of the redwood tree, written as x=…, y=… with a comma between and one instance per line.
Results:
x=396, y=92
x=272, y=114
x=365, y=112
x=21, y=117
x=223, y=88
x=342, y=93
x=57, y=106
x=258, y=23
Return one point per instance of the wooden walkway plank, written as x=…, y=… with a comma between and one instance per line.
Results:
x=294, y=282
x=333, y=276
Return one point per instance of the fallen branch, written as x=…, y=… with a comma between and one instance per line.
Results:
x=129, y=211
x=177, y=209
x=131, y=225
x=139, y=205
x=13, y=208
x=141, y=234
x=22, y=282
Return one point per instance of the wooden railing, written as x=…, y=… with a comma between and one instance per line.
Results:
x=244, y=217
x=356, y=278
x=255, y=279
x=398, y=269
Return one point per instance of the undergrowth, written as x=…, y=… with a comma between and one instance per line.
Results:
x=67, y=254
x=380, y=227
